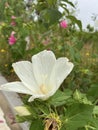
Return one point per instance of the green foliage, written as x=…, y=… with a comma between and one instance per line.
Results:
x=77, y=116
x=69, y=2
x=60, y=98
x=81, y=98
x=74, y=109
x=76, y=103
x=50, y=16
x=75, y=21
x=37, y=125
x=92, y=93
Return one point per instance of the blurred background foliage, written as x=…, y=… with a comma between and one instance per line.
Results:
x=37, y=27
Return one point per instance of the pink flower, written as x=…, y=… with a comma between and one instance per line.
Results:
x=13, y=23
x=12, y=39
x=63, y=24
x=13, y=17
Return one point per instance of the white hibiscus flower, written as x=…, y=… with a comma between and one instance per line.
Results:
x=42, y=77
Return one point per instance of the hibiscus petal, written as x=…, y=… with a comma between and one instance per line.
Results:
x=36, y=96
x=24, y=71
x=43, y=63
x=16, y=87
x=61, y=70
x=41, y=96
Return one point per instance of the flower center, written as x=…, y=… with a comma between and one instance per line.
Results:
x=43, y=89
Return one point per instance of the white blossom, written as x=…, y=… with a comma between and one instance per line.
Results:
x=40, y=78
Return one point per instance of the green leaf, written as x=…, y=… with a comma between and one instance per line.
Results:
x=95, y=110
x=93, y=91
x=79, y=45
x=69, y=2
x=50, y=16
x=95, y=123
x=64, y=6
x=60, y=98
x=52, y=2
x=77, y=116
x=37, y=125
x=72, y=52
x=43, y=108
x=75, y=21
x=81, y=98
x=23, y=118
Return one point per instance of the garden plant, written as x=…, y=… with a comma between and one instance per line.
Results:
x=56, y=63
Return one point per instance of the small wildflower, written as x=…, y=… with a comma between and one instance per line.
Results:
x=63, y=24
x=6, y=65
x=13, y=23
x=3, y=24
x=87, y=54
x=94, y=60
x=2, y=50
x=13, y=17
x=12, y=39
x=12, y=70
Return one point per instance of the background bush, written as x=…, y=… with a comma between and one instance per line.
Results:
x=37, y=27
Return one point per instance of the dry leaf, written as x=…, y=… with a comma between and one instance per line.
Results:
x=51, y=124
